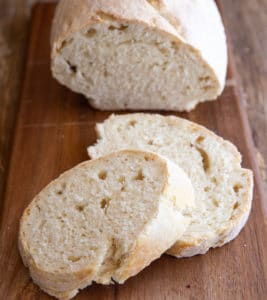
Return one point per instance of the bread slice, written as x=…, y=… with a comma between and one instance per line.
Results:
x=140, y=54
x=104, y=221
x=223, y=188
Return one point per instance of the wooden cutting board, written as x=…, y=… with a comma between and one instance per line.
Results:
x=54, y=127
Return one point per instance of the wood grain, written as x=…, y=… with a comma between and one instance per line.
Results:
x=14, y=25
x=11, y=56
x=247, y=24
x=54, y=127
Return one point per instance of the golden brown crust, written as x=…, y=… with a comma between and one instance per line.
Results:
x=179, y=247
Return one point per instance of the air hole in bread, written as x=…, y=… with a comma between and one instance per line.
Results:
x=140, y=176
x=205, y=159
x=237, y=187
x=165, y=66
x=215, y=202
x=236, y=205
x=150, y=142
x=122, y=179
x=104, y=203
x=207, y=189
x=80, y=208
x=60, y=191
x=132, y=123
x=204, y=79
x=207, y=88
x=214, y=180
x=72, y=67
x=102, y=175
x=113, y=249
x=164, y=51
x=175, y=46
x=64, y=44
x=74, y=258
x=200, y=139
x=90, y=33
x=60, y=220
x=121, y=27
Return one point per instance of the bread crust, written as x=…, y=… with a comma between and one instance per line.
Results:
x=227, y=234
x=155, y=238
x=228, y=231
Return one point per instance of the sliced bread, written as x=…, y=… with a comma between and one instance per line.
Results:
x=140, y=54
x=104, y=220
x=223, y=188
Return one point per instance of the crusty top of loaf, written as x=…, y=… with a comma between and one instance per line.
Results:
x=196, y=23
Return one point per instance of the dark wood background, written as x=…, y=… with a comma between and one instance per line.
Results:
x=236, y=271
x=245, y=20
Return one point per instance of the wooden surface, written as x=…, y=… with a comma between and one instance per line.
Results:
x=246, y=21
x=14, y=28
x=54, y=127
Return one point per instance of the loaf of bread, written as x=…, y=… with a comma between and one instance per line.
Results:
x=104, y=221
x=223, y=188
x=140, y=54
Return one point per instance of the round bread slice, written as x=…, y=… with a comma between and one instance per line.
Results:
x=223, y=188
x=104, y=221
x=140, y=54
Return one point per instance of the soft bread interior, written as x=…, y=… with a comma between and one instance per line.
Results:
x=223, y=188
x=120, y=65
x=92, y=222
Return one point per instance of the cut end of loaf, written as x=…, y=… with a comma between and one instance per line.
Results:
x=127, y=65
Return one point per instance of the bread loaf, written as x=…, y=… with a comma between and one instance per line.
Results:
x=104, y=221
x=140, y=54
x=223, y=188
